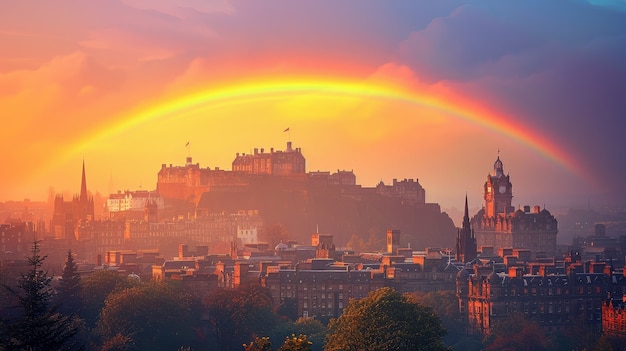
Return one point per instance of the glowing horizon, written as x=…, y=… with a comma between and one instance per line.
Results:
x=267, y=89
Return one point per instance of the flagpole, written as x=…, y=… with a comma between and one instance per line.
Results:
x=288, y=130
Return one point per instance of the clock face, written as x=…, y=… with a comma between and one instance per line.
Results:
x=502, y=189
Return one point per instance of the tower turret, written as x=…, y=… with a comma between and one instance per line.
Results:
x=498, y=168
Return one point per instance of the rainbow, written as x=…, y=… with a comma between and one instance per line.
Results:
x=264, y=89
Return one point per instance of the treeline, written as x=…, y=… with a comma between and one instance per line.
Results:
x=106, y=311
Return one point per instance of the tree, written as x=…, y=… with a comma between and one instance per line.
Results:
x=96, y=288
x=296, y=343
x=446, y=306
x=151, y=316
x=314, y=330
x=40, y=326
x=69, y=290
x=236, y=316
x=517, y=333
x=259, y=344
x=288, y=308
x=385, y=320
x=274, y=233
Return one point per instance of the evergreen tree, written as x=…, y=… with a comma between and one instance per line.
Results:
x=39, y=327
x=69, y=291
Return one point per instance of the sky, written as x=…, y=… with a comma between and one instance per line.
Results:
x=428, y=90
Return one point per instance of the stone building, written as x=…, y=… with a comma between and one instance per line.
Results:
x=499, y=225
x=614, y=317
x=553, y=295
x=67, y=214
x=466, y=247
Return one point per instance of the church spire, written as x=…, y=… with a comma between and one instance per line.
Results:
x=466, y=220
x=83, y=186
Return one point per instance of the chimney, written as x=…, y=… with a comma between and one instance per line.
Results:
x=289, y=146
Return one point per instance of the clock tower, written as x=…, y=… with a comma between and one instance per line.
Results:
x=498, y=191
x=499, y=226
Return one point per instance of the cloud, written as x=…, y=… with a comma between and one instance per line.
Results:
x=558, y=68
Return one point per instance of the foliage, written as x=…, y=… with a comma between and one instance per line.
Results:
x=610, y=343
x=259, y=344
x=296, y=343
x=517, y=333
x=40, y=326
x=446, y=306
x=96, y=288
x=375, y=241
x=235, y=316
x=288, y=308
x=385, y=320
x=119, y=342
x=69, y=290
x=152, y=315
x=274, y=233
x=314, y=330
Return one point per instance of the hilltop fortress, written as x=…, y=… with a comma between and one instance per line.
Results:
x=277, y=184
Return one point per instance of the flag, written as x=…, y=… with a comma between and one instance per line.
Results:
x=286, y=130
x=187, y=144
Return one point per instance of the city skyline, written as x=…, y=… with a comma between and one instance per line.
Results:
x=388, y=90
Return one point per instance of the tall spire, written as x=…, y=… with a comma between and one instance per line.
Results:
x=83, y=186
x=466, y=220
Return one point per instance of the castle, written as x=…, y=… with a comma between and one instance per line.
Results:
x=278, y=185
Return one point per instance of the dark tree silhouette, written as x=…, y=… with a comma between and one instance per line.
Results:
x=234, y=317
x=69, y=290
x=517, y=333
x=39, y=326
x=150, y=316
x=95, y=289
x=385, y=320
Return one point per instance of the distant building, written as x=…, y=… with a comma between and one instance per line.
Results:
x=16, y=238
x=500, y=226
x=247, y=234
x=393, y=241
x=614, y=317
x=67, y=214
x=340, y=178
x=287, y=162
x=466, y=247
x=409, y=190
x=276, y=184
x=324, y=246
x=134, y=204
x=553, y=295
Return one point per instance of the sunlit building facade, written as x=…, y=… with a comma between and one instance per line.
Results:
x=499, y=225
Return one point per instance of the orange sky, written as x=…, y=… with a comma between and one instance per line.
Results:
x=75, y=88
